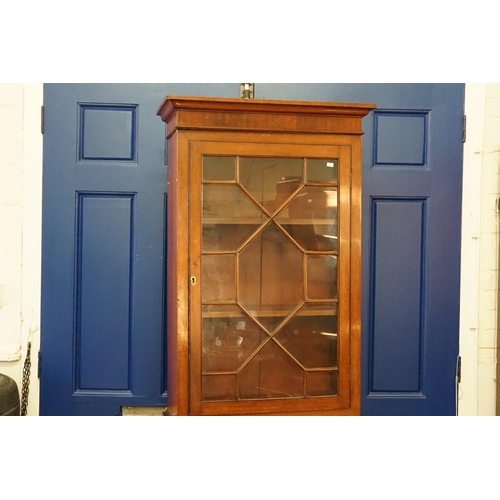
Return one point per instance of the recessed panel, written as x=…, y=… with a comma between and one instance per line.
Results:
x=397, y=294
x=104, y=284
x=400, y=139
x=107, y=133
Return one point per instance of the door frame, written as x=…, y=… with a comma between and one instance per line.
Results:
x=467, y=393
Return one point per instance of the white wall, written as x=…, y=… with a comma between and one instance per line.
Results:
x=488, y=258
x=20, y=231
x=11, y=196
x=480, y=236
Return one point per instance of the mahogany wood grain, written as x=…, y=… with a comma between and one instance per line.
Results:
x=290, y=129
x=242, y=114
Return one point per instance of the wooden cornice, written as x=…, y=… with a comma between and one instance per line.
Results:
x=214, y=113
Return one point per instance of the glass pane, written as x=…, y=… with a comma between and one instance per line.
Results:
x=311, y=218
x=324, y=171
x=271, y=181
x=229, y=337
x=264, y=274
x=218, y=278
x=321, y=277
x=270, y=277
x=311, y=336
x=229, y=217
x=218, y=388
x=322, y=383
x=219, y=168
x=226, y=237
x=272, y=373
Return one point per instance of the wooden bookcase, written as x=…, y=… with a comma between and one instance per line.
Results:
x=264, y=256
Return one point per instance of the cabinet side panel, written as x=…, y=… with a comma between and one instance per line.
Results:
x=355, y=278
x=177, y=249
x=172, y=377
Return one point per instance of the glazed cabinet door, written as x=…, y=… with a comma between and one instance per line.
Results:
x=271, y=283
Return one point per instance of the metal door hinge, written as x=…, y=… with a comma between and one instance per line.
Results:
x=39, y=363
x=42, y=120
x=464, y=129
x=459, y=369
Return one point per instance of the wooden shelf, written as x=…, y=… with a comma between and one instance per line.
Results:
x=210, y=221
x=266, y=313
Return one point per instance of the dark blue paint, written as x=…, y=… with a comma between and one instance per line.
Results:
x=117, y=123
x=439, y=183
x=422, y=162
x=397, y=308
x=105, y=291
x=400, y=138
x=105, y=349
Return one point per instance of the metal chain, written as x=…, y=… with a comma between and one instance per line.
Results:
x=26, y=382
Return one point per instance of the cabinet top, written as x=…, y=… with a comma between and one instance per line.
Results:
x=221, y=113
x=171, y=103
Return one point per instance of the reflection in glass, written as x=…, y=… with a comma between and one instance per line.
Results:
x=228, y=338
x=218, y=387
x=270, y=277
x=252, y=271
x=311, y=336
x=322, y=383
x=218, y=278
x=228, y=201
x=271, y=374
x=229, y=217
x=322, y=171
x=219, y=168
x=311, y=218
x=321, y=276
x=271, y=181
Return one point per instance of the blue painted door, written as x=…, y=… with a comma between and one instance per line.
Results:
x=103, y=284
x=103, y=263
